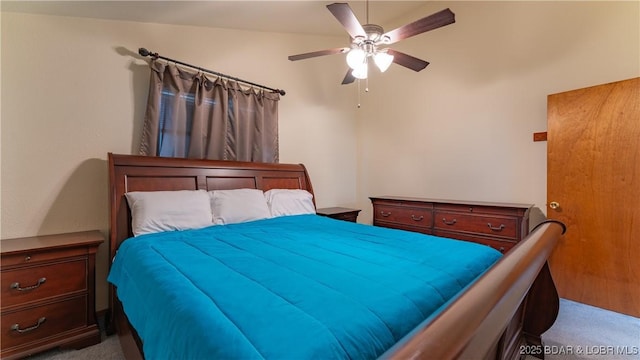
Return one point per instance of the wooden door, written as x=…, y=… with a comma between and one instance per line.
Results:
x=593, y=186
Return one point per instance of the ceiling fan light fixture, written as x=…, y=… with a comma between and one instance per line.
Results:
x=355, y=58
x=383, y=60
x=361, y=71
x=371, y=41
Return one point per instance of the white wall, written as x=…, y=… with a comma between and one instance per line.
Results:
x=74, y=89
x=462, y=128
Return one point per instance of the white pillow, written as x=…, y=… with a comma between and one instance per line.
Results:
x=238, y=205
x=283, y=202
x=157, y=211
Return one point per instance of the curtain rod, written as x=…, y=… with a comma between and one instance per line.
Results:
x=145, y=52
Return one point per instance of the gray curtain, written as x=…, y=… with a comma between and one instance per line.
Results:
x=192, y=116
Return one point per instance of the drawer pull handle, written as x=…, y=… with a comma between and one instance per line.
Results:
x=384, y=214
x=417, y=218
x=444, y=220
x=496, y=228
x=16, y=327
x=16, y=285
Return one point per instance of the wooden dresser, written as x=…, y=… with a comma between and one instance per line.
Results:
x=48, y=293
x=499, y=225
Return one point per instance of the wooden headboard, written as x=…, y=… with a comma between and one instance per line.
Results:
x=147, y=173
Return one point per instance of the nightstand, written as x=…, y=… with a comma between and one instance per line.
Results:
x=48, y=293
x=339, y=213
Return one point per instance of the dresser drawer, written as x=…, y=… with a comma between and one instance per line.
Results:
x=403, y=215
x=491, y=225
x=41, y=282
x=478, y=209
x=31, y=324
x=501, y=245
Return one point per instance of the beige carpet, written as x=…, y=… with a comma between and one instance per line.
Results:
x=587, y=332
x=108, y=349
x=580, y=332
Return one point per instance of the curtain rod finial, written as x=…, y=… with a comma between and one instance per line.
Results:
x=281, y=92
x=145, y=52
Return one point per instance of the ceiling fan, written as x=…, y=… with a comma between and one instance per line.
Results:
x=369, y=41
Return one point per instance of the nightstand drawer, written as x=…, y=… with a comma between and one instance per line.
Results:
x=403, y=215
x=490, y=225
x=31, y=283
x=353, y=217
x=339, y=213
x=38, y=256
x=41, y=322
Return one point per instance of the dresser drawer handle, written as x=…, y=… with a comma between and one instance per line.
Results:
x=16, y=285
x=444, y=220
x=384, y=214
x=496, y=228
x=417, y=218
x=16, y=327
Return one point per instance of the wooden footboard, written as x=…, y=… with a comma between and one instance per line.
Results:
x=501, y=316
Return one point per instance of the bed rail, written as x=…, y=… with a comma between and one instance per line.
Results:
x=472, y=326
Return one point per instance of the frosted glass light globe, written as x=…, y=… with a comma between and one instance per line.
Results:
x=355, y=58
x=383, y=60
x=361, y=71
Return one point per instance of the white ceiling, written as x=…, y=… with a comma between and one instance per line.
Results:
x=303, y=16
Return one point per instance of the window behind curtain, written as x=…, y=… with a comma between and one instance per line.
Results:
x=189, y=115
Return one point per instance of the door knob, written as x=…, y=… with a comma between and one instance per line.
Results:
x=554, y=205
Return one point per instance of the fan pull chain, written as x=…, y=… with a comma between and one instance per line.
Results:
x=366, y=89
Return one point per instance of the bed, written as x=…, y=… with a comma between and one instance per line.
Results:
x=495, y=306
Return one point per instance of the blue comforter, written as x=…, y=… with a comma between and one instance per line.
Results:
x=294, y=287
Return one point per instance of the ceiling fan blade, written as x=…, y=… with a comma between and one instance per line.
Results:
x=407, y=61
x=346, y=17
x=433, y=21
x=348, y=78
x=318, y=53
